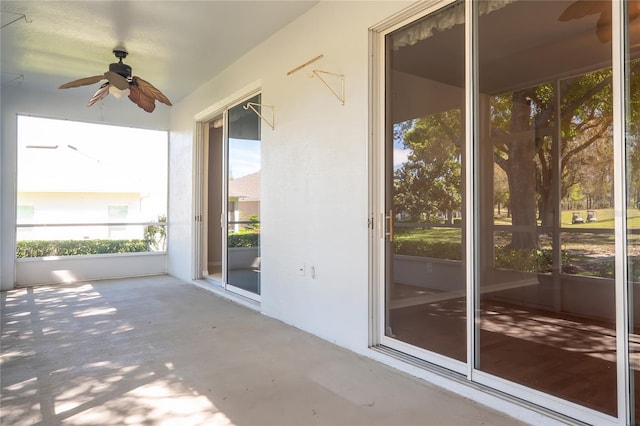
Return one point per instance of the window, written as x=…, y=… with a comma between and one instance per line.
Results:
x=74, y=179
x=25, y=214
x=117, y=214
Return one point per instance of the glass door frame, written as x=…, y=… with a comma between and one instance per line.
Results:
x=200, y=189
x=224, y=223
x=471, y=179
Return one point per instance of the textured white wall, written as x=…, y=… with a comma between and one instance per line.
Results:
x=56, y=104
x=314, y=169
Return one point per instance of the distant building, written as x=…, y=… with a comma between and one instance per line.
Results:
x=244, y=199
x=82, y=190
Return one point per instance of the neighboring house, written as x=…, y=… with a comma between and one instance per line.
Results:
x=50, y=208
x=80, y=189
x=244, y=198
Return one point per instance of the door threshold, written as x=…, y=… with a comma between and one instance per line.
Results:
x=216, y=287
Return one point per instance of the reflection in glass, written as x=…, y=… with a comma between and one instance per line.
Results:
x=632, y=156
x=546, y=240
x=425, y=283
x=243, y=198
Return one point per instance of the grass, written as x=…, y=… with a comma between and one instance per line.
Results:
x=605, y=219
x=440, y=235
x=589, y=252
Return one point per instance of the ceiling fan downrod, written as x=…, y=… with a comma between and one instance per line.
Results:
x=120, y=67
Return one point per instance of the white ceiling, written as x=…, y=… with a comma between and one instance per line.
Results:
x=175, y=45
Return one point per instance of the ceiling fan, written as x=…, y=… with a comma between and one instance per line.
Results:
x=581, y=8
x=121, y=83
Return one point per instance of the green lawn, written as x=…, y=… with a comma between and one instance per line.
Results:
x=439, y=235
x=604, y=216
x=590, y=252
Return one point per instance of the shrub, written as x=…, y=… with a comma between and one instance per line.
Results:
x=155, y=236
x=424, y=248
x=41, y=248
x=531, y=260
x=243, y=239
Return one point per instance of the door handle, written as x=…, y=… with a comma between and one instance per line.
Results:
x=389, y=233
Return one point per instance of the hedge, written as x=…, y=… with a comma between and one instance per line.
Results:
x=530, y=260
x=243, y=240
x=424, y=248
x=41, y=248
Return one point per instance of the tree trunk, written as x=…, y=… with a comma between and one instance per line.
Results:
x=521, y=175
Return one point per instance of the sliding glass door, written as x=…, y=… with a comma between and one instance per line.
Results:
x=425, y=285
x=231, y=199
x=631, y=161
x=508, y=183
x=546, y=316
x=243, y=199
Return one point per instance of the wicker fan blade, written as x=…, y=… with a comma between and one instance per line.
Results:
x=82, y=82
x=603, y=27
x=117, y=80
x=139, y=98
x=581, y=8
x=102, y=93
x=151, y=91
x=634, y=9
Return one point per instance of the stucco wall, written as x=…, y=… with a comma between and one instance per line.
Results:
x=314, y=169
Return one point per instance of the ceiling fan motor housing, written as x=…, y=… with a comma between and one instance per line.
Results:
x=120, y=68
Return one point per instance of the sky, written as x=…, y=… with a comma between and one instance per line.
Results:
x=244, y=157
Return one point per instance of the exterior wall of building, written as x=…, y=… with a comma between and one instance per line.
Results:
x=55, y=207
x=248, y=209
x=314, y=169
x=315, y=178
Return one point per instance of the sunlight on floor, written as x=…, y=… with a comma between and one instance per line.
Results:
x=161, y=402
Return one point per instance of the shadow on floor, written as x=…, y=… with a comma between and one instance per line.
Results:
x=154, y=350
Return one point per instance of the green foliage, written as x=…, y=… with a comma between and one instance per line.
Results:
x=155, y=236
x=41, y=248
x=254, y=226
x=529, y=260
x=432, y=249
x=243, y=239
x=248, y=236
x=429, y=181
x=517, y=259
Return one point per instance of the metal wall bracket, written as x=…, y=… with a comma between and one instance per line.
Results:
x=253, y=105
x=20, y=16
x=340, y=96
x=11, y=80
x=317, y=73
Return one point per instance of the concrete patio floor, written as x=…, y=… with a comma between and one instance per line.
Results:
x=158, y=351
